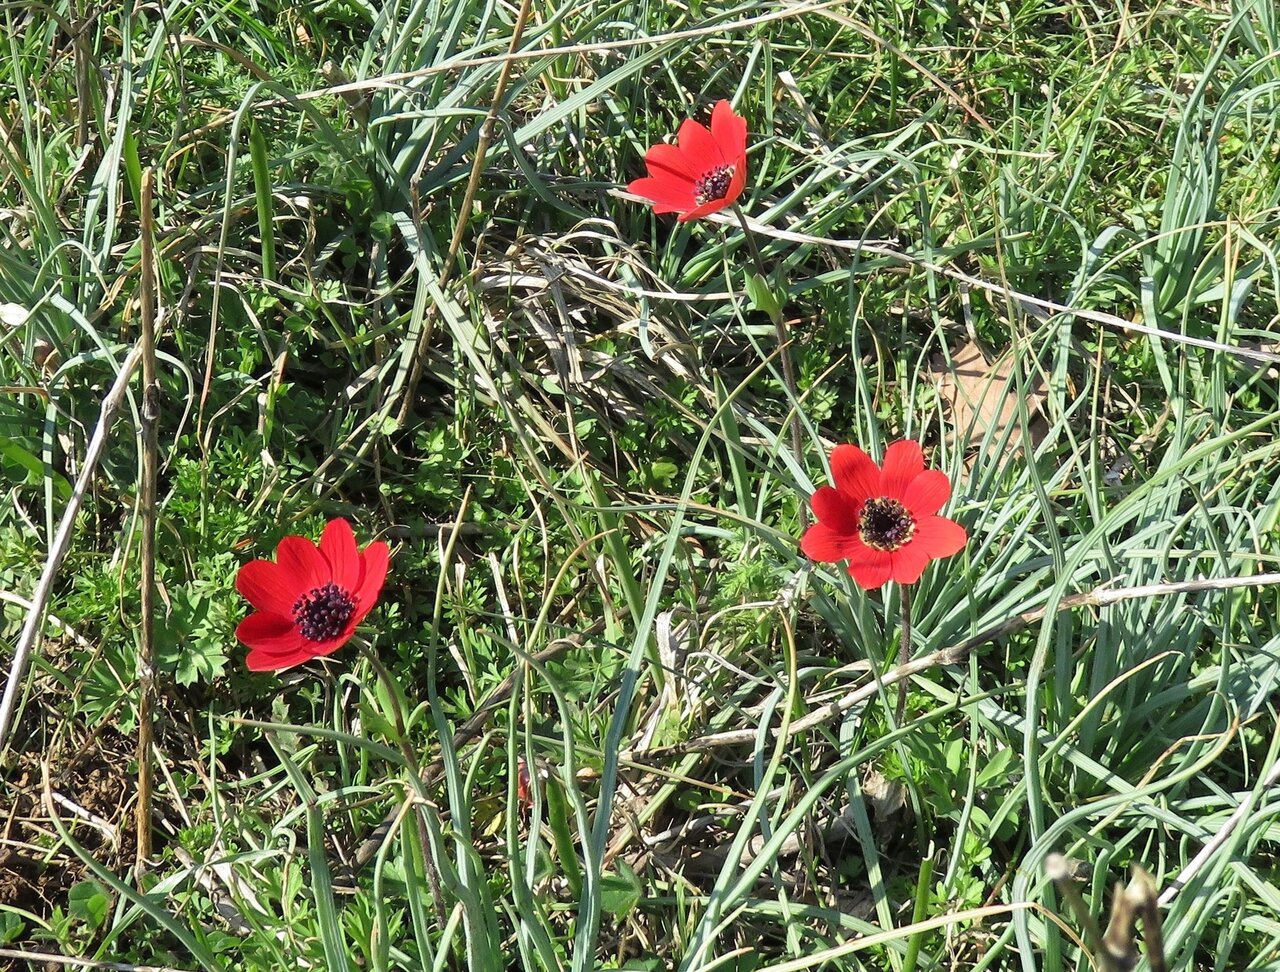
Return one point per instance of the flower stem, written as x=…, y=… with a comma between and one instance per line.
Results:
x=904, y=646
x=411, y=761
x=784, y=351
x=751, y=242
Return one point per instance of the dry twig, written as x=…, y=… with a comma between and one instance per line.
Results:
x=150, y=474
x=62, y=542
x=464, y=210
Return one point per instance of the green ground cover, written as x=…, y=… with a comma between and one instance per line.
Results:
x=606, y=713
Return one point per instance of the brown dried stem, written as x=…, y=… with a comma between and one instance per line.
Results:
x=464, y=211
x=31, y=627
x=150, y=473
x=1119, y=952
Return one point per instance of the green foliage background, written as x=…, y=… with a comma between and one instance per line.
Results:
x=572, y=428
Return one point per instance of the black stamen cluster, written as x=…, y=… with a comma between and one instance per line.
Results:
x=885, y=524
x=714, y=185
x=323, y=612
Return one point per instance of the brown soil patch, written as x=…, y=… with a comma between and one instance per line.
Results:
x=94, y=799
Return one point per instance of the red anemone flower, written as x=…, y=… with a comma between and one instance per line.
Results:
x=309, y=599
x=703, y=173
x=883, y=521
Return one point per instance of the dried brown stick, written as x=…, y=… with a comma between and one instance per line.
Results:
x=31, y=628
x=823, y=714
x=82, y=51
x=464, y=211
x=1220, y=837
x=150, y=475
x=1119, y=952
x=904, y=648
x=1143, y=888
x=995, y=287
x=1060, y=870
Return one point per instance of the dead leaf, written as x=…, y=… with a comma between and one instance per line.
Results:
x=887, y=797
x=982, y=397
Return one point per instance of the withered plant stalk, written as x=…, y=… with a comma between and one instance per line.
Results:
x=150, y=471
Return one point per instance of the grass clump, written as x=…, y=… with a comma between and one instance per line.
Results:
x=606, y=714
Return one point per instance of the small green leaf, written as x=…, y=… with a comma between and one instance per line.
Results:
x=190, y=638
x=763, y=296
x=11, y=927
x=620, y=891
x=376, y=724
x=30, y=465
x=383, y=226
x=558, y=818
x=89, y=902
x=661, y=474
x=994, y=769
x=954, y=753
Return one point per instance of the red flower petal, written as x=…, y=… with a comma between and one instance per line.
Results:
x=869, y=567
x=939, y=537
x=827, y=546
x=730, y=132
x=270, y=633
x=674, y=170
x=302, y=564
x=319, y=649
x=855, y=473
x=668, y=195
x=267, y=587
x=835, y=509
x=338, y=544
x=737, y=183
x=927, y=493
x=711, y=206
x=376, y=557
x=699, y=147
x=267, y=658
x=259, y=660
x=909, y=562
x=668, y=162
x=903, y=462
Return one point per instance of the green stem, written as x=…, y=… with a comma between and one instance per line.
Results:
x=751, y=242
x=411, y=760
x=784, y=351
x=904, y=646
x=919, y=912
x=262, y=195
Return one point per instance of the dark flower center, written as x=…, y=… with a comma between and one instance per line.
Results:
x=885, y=524
x=714, y=185
x=323, y=612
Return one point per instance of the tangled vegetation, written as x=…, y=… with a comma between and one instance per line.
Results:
x=377, y=264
